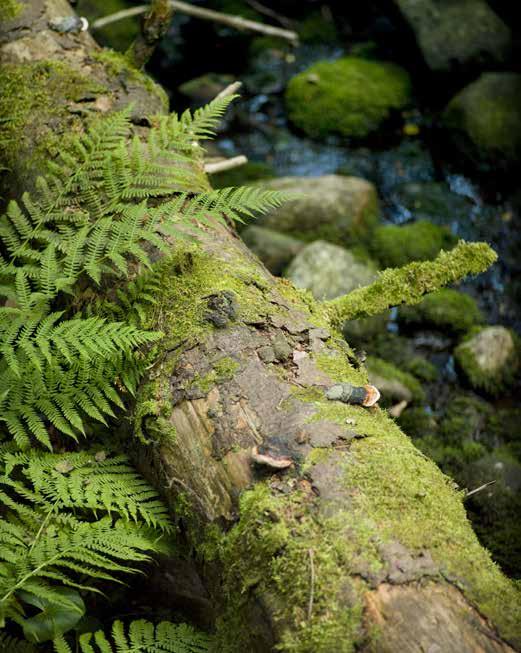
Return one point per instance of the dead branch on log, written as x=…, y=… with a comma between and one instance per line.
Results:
x=236, y=22
x=154, y=26
x=225, y=164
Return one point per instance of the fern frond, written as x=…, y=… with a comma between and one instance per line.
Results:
x=93, y=481
x=140, y=637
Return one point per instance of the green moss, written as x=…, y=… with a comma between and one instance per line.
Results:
x=243, y=175
x=349, y=96
x=10, y=9
x=337, y=366
x=117, y=65
x=269, y=550
x=394, y=246
x=317, y=29
x=390, y=372
x=410, y=283
x=485, y=118
x=35, y=97
x=410, y=501
x=223, y=370
x=446, y=309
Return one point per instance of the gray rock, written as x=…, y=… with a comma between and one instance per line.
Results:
x=457, y=33
x=328, y=270
x=335, y=208
x=275, y=250
x=489, y=360
x=484, y=119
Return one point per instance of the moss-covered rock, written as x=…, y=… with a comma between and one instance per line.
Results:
x=418, y=422
x=318, y=28
x=394, y=384
x=489, y=360
x=447, y=310
x=457, y=33
x=350, y=96
x=400, y=351
x=341, y=210
x=394, y=246
x=275, y=250
x=484, y=119
x=328, y=270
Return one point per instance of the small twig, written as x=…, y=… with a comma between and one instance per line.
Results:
x=283, y=20
x=229, y=90
x=311, y=583
x=479, y=489
x=206, y=14
x=226, y=164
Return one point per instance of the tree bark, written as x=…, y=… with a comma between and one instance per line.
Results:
x=362, y=543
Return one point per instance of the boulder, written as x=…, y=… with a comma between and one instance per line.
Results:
x=341, y=210
x=446, y=309
x=349, y=96
x=484, y=119
x=458, y=34
x=489, y=360
x=396, y=245
x=328, y=270
x=274, y=250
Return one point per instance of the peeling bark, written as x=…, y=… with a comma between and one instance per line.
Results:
x=362, y=544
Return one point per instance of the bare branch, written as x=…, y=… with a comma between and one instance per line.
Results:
x=206, y=14
x=479, y=489
x=225, y=164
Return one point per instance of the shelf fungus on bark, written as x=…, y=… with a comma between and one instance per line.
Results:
x=365, y=395
x=270, y=459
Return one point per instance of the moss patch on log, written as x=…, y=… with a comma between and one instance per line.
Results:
x=36, y=99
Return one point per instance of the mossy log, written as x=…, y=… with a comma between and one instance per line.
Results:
x=361, y=543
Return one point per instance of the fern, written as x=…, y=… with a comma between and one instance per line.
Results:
x=71, y=521
x=94, y=481
x=142, y=637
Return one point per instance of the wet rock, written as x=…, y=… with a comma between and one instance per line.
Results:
x=349, y=96
x=489, y=360
x=447, y=310
x=274, y=249
x=409, y=162
x=328, y=270
x=484, y=119
x=341, y=210
x=394, y=246
x=458, y=34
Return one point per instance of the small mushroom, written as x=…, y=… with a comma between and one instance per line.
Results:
x=365, y=395
x=270, y=459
